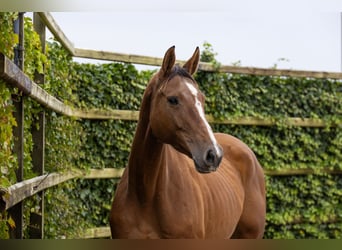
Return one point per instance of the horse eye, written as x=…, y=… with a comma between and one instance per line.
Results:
x=173, y=100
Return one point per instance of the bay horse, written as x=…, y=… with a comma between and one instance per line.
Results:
x=182, y=180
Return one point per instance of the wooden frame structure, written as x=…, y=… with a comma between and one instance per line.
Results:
x=13, y=75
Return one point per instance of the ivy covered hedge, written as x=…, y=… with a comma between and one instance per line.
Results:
x=307, y=206
x=108, y=86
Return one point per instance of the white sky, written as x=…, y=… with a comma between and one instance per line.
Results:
x=307, y=33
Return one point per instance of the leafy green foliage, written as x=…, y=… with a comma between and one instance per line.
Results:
x=63, y=217
x=235, y=95
x=114, y=86
x=8, y=161
x=64, y=139
x=63, y=134
x=304, y=207
x=8, y=39
x=34, y=58
x=59, y=81
x=7, y=121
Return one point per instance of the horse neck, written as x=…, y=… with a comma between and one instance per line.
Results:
x=146, y=158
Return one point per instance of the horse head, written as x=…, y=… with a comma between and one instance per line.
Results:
x=177, y=116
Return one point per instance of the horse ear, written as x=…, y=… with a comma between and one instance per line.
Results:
x=192, y=64
x=168, y=61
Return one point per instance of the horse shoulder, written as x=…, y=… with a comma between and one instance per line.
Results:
x=240, y=156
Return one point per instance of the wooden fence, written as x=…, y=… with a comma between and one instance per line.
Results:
x=11, y=198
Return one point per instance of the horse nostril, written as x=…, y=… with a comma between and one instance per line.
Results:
x=210, y=157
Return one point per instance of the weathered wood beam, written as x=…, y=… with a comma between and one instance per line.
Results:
x=119, y=57
x=13, y=75
x=271, y=71
x=57, y=31
x=305, y=171
x=156, y=61
x=253, y=121
x=20, y=191
x=98, y=232
x=105, y=173
x=130, y=115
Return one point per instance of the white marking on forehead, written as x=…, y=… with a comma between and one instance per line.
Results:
x=192, y=89
x=200, y=111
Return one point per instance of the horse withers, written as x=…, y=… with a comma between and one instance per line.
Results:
x=183, y=180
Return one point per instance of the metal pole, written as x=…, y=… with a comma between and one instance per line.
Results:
x=19, y=49
x=16, y=212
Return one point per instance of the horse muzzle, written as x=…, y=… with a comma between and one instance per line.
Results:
x=209, y=161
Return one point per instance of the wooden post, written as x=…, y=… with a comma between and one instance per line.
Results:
x=16, y=212
x=36, y=227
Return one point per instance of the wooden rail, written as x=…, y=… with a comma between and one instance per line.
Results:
x=303, y=171
x=13, y=75
x=157, y=61
x=51, y=24
x=98, y=232
x=20, y=191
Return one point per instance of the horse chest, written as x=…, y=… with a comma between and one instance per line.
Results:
x=160, y=218
x=131, y=220
x=184, y=209
x=193, y=213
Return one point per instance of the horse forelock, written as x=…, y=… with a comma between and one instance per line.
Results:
x=162, y=81
x=179, y=71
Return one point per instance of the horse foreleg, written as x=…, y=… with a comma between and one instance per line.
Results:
x=251, y=224
x=253, y=219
